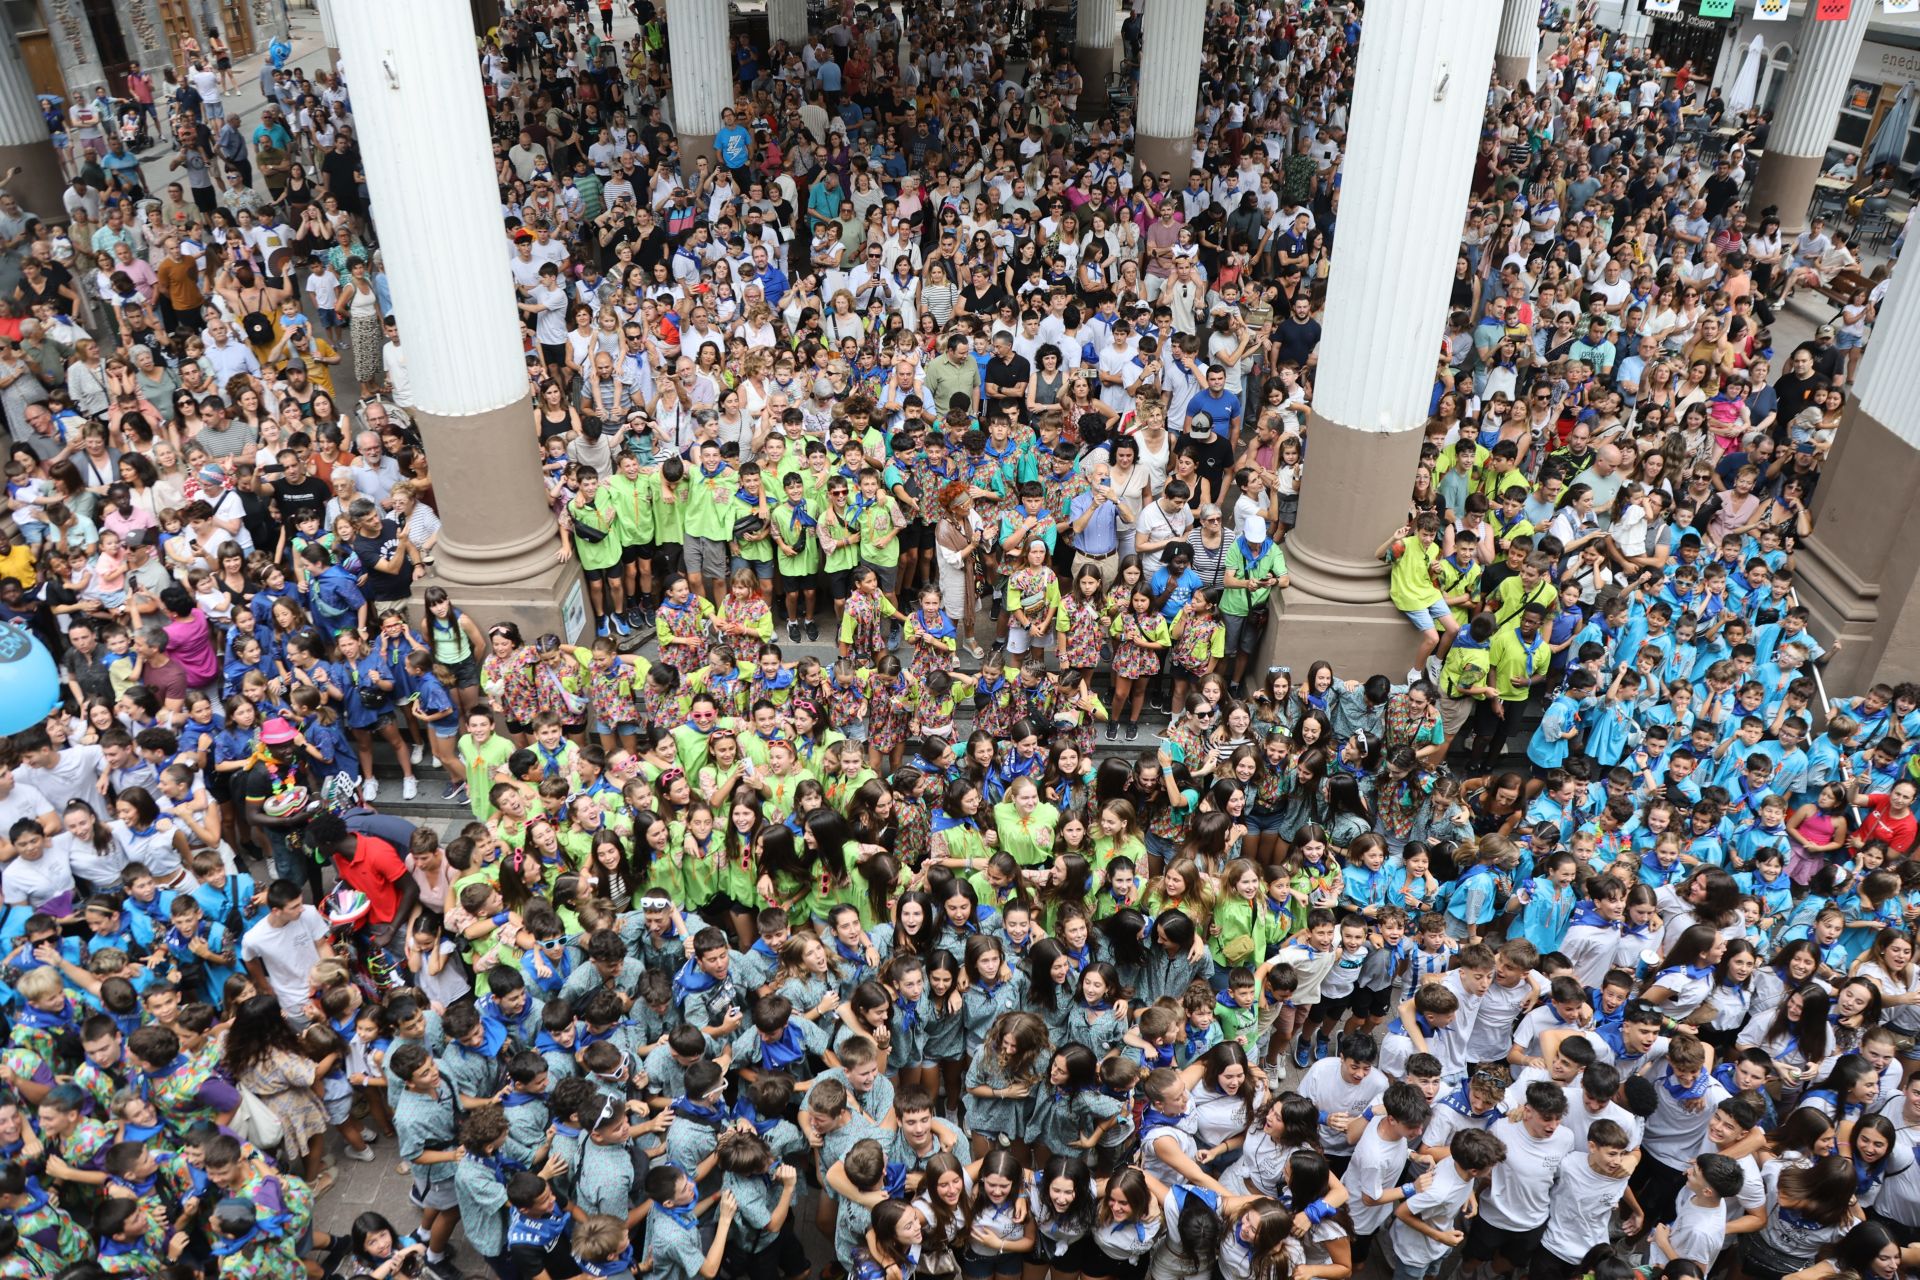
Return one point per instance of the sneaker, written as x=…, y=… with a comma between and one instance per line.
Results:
x=447, y=793
x=1434, y=666
x=431, y=762
x=370, y=790
x=459, y=793
x=636, y=614
x=813, y=629
x=369, y=1134
x=409, y=787
x=1321, y=1047
x=1133, y=731
x=603, y=629
x=1413, y=673
x=1113, y=730
x=620, y=627
x=793, y=632
x=363, y=1156
x=415, y=753
x=1302, y=1053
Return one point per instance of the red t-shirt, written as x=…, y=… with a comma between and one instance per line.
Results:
x=1897, y=833
x=375, y=870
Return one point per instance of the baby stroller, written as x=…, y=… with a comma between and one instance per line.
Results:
x=133, y=127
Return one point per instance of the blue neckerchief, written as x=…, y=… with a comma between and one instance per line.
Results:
x=688, y=1109
x=745, y=1110
x=943, y=822
x=611, y=1267
x=517, y=1098
x=786, y=1049
x=1587, y=914
x=37, y=1196
x=908, y=1012
x=41, y=1019
x=545, y=1043
x=691, y=980
x=111, y=1248
x=1693, y=971
x=143, y=1080
x=1196, y=1043
x=500, y=1166
x=1153, y=1119
x=493, y=1038
x=682, y=1214
x=941, y=630
x=895, y=1180
x=228, y=1246
x=538, y=1232
x=1684, y=1093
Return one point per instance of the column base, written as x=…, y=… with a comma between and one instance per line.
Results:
x=1094, y=64
x=1785, y=182
x=39, y=185
x=693, y=146
x=1859, y=574
x=497, y=555
x=1165, y=155
x=787, y=20
x=1338, y=606
x=1511, y=70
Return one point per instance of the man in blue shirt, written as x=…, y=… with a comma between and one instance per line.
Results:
x=733, y=144
x=1096, y=522
x=1218, y=403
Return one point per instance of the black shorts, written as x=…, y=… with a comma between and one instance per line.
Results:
x=1547, y=1266
x=1101, y=1265
x=1371, y=1004
x=917, y=536
x=1331, y=1009
x=785, y=1257
x=599, y=575
x=636, y=553
x=466, y=673
x=519, y=726
x=1485, y=1242
x=840, y=583
x=554, y=353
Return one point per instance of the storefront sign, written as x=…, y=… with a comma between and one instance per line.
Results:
x=1834, y=10
x=1716, y=8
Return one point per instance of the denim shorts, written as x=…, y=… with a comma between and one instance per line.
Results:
x=1848, y=341
x=1433, y=617
x=1262, y=824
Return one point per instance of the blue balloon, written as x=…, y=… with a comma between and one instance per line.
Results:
x=29, y=680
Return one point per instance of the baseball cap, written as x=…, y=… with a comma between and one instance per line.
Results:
x=1824, y=331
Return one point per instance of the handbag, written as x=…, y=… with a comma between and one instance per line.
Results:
x=255, y=1121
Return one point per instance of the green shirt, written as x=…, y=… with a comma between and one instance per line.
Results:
x=1271, y=564
x=710, y=504
x=602, y=516
x=481, y=759
x=880, y=517
x=1410, y=582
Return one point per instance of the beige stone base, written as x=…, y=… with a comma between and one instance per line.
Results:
x=1860, y=572
x=1165, y=155
x=38, y=185
x=1337, y=607
x=1784, y=182
x=693, y=146
x=1512, y=71
x=497, y=553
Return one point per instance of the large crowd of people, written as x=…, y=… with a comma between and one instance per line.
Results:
x=1584, y=949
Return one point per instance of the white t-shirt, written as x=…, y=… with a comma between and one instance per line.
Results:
x=1375, y=1167
x=1493, y=1024
x=1518, y=1199
x=287, y=952
x=38, y=880
x=1326, y=1084
x=1439, y=1206
x=1582, y=1204
x=1697, y=1231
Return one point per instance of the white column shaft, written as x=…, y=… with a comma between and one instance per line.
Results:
x=1822, y=65
x=1888, y=389
x=1519, y=29
x=327, y=32
x=1096, y=25
x=1170, y=40
x=702, y=69
x=424, y=141
x=787, y=20
x=1419, y=90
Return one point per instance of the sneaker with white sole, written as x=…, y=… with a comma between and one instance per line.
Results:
x=370, y=790
x=409, y=787
x=415, y=753
x=363, y=1156
x=1434, y=666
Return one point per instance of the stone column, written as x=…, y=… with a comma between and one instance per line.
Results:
x=1419, y=92
x=787, y=20
x=1096, y=39
x=697, y=44
x=426, y=149
x=24, y=142
x=147, y=42
x=1519, y=42
x=1170, y=40
x=327, y=33
x=73, y=44
x=270, y=19
x=1860, y=571
x=1797, y=142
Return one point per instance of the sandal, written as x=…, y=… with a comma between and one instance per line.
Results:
x=979, y=654
x=323, y=1184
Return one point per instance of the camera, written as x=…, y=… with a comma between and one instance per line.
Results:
x=412, y=1263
